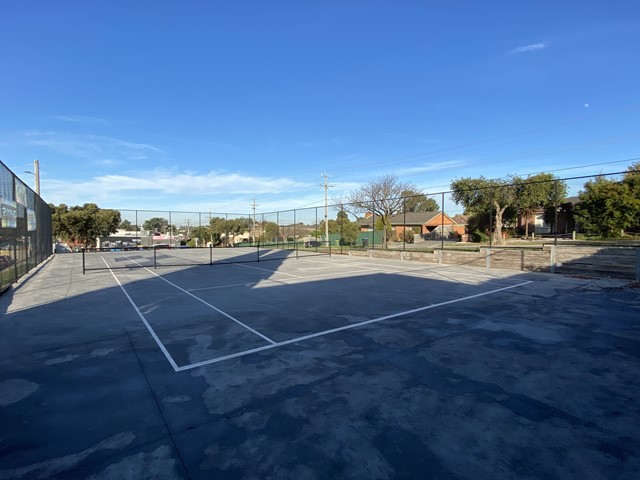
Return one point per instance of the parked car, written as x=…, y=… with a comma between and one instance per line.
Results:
x=312, y=243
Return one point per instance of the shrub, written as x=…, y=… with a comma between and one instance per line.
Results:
x=478, y=236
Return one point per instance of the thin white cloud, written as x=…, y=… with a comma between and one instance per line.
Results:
x=78, y=119
x=107, y=162
x=534, y=47
x=168, y=186
x=89, y=147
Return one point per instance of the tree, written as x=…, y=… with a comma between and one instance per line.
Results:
x=608, y=207
x=417, y=202
x=543, y=190
x=347, y=229
x=200, y=232
x=156, y=224
x=84, y=224
x=127, y=225
x=57, y=222
x=632, y=180
x=383, y=197
x=270, y=232
x=481, y=195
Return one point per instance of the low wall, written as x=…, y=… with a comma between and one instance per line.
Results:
x=618, y=262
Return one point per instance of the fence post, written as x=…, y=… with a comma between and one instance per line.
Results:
x=555, y=210
x=373, y=224
x=490, y=219
x=210, y=254
x=83, y=264
x=155, y=262
x=404, y=224
x=442, y=224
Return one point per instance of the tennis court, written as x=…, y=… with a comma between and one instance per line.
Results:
x=315, y=366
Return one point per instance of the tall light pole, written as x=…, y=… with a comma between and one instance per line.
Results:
x=36, y=174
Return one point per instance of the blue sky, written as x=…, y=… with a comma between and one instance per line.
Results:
x=206, y=105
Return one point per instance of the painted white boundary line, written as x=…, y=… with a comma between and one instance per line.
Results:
x=212, y=307
x=346, y=327
x=144, y=320
x=267, y=270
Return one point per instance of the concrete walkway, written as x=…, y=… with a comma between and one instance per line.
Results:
x=536, y=382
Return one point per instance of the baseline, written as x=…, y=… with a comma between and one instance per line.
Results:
x=346, y=327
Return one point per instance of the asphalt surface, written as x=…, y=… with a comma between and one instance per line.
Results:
x=334, y=367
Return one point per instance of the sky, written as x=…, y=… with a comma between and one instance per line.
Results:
x=208, y=106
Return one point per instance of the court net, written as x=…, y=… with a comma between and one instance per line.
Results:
x=165, y=256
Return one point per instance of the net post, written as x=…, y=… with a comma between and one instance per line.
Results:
x=84, y=269
x=155, y=263
x=258, y=250
x=210, y=254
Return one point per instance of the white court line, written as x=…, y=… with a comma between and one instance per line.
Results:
x=267, y=270
x=346, y=327
x=212, y=307
x=144, y=320
x=246, y=284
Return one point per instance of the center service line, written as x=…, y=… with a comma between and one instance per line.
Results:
x=144, y=320
x=347, y=327
x=211, y=306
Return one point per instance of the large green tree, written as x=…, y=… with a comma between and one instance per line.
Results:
x=383, y=197
x=270, y=232
x=84, y=224
x=156, y=224
x=347, y=229
x=414, y=201
x=482, y=195
x=608, y=207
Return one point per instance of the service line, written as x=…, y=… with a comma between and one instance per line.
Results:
x=346, y=327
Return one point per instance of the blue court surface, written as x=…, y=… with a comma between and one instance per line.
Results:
x=316, y=366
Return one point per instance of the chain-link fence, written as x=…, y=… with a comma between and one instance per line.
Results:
x=25, y=232
x=493, y=213
x=475, y=214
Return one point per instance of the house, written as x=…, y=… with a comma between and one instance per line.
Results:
x=541, y=222
x=425, y=224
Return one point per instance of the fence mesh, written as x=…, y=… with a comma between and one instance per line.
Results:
x=25, y=230
x=497, y=212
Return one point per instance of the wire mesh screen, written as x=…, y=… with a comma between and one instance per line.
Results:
x=25, y=229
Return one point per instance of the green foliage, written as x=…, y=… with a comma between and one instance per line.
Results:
x=540, y=191
x=347, y=230
x=83, y=225
x=271, y=232
x=406, y=236
x=156, y=224
x=608, y=207
x=127, y=225
x=478, y=236
x=482, y=195
x=202, y=233
x=413, y=201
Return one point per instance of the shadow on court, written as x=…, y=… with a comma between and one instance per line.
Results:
x=459, y=373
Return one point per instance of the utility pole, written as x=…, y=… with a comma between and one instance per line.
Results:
x=253, y=233
x=36, y=171
x=326, y=207
x=36, y=174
